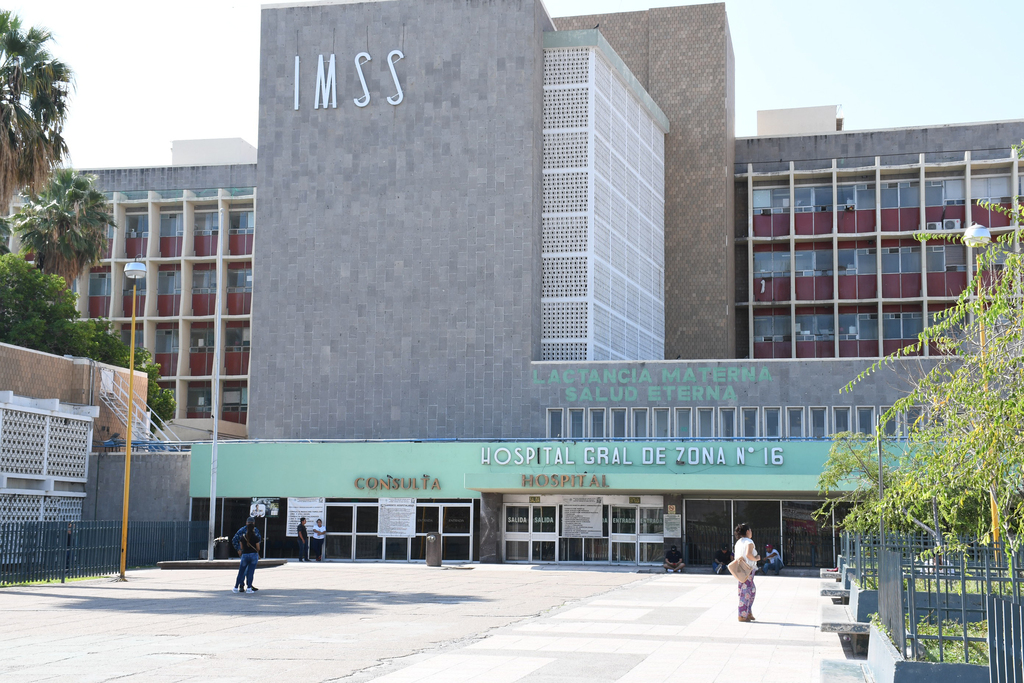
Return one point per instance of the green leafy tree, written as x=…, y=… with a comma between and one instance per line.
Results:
x=5, y=235
x=34, y=92
x=38, y=312
x=65, y=224
x=966, y=450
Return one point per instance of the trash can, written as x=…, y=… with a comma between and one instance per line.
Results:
x=221, y=549
x=434, y=549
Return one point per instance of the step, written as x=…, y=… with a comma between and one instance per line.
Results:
x=845, y=671
x=837, y=619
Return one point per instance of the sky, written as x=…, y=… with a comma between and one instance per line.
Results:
x=148, y=73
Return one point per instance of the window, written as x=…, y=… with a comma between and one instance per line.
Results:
x=555, y=423
x=944, y=192
x=889, y=426
x=948, y=258
x=683, y=423
x=237, y=339
x=772, y=328
x=199, y=399
x=640, y=423
x=856, y=262
x=619, y=423
x=818, y=327
x=140, y=336
x=903, y=194
x=819, y=430
x=809, y=199
x=866, y=420
x=236, y=399
x=860, y=197
x=750, y=423
x=771, y=264
x=168, y=282
x=167, y=342
x=812, y=263
x=661, y=423
x=993, y=189
x=858, y=326
x=201, y=340
x=171, y=225
x=239, y=279
x=901, y=259
x=99, y=284
x=841, y=419
x=576, y=423
x=772, y=423
x=127, y=284
x=597, y=423
x=204, y=281
x=727, y=423
x=902, y=325
x=138, y=225
x=913, y=415
x=206, y=223
x=705, y=423
x=795, y=422
x=242, y=222
x=771, y=201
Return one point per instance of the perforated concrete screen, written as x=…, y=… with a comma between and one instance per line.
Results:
x=603, y=216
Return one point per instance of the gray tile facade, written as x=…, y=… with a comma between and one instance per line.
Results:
x=175, y=177
x=397, y=279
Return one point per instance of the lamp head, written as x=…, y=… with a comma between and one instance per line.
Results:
x=134, y=270
x=977, y=236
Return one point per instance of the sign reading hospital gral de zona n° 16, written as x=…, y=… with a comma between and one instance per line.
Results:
x=671, y=456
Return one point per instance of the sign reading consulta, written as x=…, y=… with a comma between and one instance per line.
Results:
x=626, y=455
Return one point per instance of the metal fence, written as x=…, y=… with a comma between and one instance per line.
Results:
x=1005, y=640
x=56, y=551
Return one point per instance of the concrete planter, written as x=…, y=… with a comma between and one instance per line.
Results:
x=863, y=603
x=887, y=665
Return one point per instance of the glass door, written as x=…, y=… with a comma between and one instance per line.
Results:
x=338, y=544
x=624, y=534
x=651, y=540
x=517, y=533
x=544, y=533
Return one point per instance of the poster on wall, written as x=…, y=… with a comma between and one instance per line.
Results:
x=582, y=520
x=265, y=507
x=310, y=508
x=674, y=526
x=396, y=517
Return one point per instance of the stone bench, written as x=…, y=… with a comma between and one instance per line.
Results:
x=844, y=671
x=833, y=589
x=833, y=574
x=837, y=619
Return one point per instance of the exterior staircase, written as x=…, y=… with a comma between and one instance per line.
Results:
x=114, y=394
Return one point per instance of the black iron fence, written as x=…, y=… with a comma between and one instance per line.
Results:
x=56, y=551
x=944, y=602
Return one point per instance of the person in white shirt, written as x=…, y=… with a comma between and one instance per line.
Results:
x=746, y=551
x=319, y=534
x=772, y=559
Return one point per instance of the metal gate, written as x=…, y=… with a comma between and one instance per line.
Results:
x=890, y=596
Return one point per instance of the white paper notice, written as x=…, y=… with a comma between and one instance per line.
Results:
x=673, y=526
x=310, y=508
x=396, y=517
x=582, y=520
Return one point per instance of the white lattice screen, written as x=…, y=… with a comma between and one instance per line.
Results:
x=603, y=227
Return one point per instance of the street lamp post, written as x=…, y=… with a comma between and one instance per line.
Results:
x=134, y=271
x=978, y=237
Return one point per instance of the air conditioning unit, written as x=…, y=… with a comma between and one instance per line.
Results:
x=933, y=225
x=951, y=224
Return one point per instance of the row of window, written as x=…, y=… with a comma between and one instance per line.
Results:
x=169, y=282
x=819, y=262
x=205, y=222
x=711, y=423
x=201, y=340
x=894, y=195
x=821, y=326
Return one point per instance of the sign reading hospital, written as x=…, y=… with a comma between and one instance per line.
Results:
x=733, y=454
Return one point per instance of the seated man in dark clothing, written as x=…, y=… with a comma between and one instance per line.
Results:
x=722, y=559
x=673, y=561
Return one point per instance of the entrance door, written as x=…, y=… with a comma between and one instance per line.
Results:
x=531, y=533
x=624, y=534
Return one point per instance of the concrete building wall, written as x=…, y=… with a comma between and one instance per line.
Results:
x=397, y=279
x=683, y=57
x=174, y=177
x=797, y=121
x=158, y=491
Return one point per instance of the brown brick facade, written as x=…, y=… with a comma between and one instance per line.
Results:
x=683, y=57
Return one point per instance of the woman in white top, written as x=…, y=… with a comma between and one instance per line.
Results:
x=745, y=549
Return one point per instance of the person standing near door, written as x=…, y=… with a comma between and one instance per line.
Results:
x=746, y=552
x=319, y=534
x=303, y=540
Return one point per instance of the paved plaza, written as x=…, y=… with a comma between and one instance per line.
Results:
x=413, y=624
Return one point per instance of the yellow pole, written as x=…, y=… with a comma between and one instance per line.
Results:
x=991, y=493
x=128, y=442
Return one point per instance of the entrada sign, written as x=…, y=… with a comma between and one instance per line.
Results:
x=326, y=89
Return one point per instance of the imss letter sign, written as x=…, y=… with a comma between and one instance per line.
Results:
x=326, y=89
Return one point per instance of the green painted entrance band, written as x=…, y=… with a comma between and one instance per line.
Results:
x=464, y=469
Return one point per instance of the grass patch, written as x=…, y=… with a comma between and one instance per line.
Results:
x=953, y=650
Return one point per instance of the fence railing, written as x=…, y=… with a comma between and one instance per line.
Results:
x=937, y=599
x=56, y=551
x=1005, y=640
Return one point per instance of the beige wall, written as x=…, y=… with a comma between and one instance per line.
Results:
x=71, y=380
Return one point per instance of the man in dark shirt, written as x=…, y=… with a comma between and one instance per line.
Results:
x=673, y=561
x=303, y=541
x=722, y=559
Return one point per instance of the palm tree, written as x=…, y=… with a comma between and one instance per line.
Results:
x=65, y=224
x=34, y=90
x=5, y=234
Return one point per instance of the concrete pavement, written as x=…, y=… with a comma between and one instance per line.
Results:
x=413, y=624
